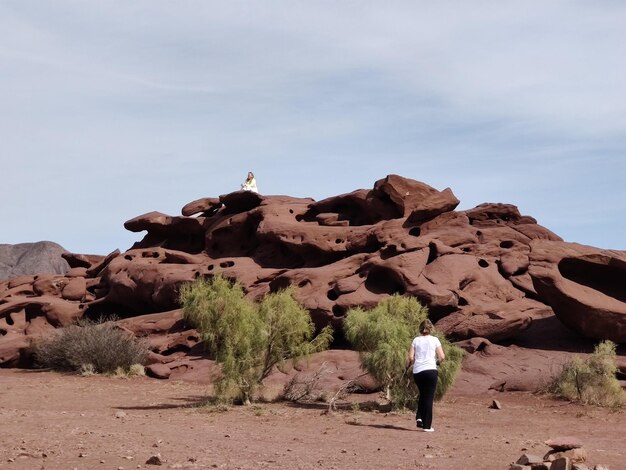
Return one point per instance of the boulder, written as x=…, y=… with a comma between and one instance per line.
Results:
x=31, y=258
x=583, y=285
x=564, y=443
x=205, y=205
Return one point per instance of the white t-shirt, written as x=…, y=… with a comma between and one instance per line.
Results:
x=250, y=185
x=425, y=348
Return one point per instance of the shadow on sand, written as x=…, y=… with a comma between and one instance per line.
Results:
x=188, y=402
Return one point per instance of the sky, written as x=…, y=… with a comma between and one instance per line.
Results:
x=112, y=109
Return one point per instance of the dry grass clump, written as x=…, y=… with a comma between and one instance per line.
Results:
x=92, y=348
x=590, y=381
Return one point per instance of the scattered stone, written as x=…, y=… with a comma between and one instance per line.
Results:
x=564, y=443
x=495, y=405
x=562, y=463
x=571, y=459
x=541, y=466
x=158, y=371
x=529, y=459
x=154, y=460
x=120, y=414
x=575, y=455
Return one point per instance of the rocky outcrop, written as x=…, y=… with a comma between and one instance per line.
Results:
x=585, y=286
x=488, y=272
x=31, y=258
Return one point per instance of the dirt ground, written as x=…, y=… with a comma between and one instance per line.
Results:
x=54, y=421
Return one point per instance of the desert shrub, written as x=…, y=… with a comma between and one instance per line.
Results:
x=449, y=368
x=288, y=331
x=303, y=388
x=245, y=338
x=90, y=347
x=383, y=336
x=592, y=380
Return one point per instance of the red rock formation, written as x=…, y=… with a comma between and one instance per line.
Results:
x=585, y=286
x=487, y=272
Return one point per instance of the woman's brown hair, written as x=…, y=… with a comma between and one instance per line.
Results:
x=426, y=327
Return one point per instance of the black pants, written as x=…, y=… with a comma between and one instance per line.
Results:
x=426, y=382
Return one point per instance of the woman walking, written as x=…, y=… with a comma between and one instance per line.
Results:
x=424, y=354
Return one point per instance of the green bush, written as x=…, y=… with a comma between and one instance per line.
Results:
x=592, y=380
x=98, y=347
x=245, y=338
x=383, y=336
x=449, y=368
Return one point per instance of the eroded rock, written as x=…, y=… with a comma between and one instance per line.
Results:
x=486, y=274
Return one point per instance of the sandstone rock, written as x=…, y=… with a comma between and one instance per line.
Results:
x=20, y=281
x=416, y=199
x=529, y=459
x=159, y=371
x=495, y=405
x=154, y=460
x=583, y=285
x=577, y=454
x=562, y=463
x=77, y=260
x=75, y=289
x=11, y=348
x=95, y=269
x=207, y=204
x=487, y=274
x=77, y=272
x=564, y=443
x=541, y=466
x=161, y=223
x=49, y=285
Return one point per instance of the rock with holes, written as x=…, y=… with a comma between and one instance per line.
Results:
x=583, y=285
x=145, y=283
x=166, y=332
x=488, y=272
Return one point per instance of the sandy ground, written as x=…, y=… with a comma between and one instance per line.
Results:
x=54, y=421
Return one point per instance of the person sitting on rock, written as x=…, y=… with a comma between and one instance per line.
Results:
x=250, y=183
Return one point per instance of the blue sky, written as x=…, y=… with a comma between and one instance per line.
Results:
x=112, y=109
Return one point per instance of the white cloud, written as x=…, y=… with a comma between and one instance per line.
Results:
x=112, y=109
